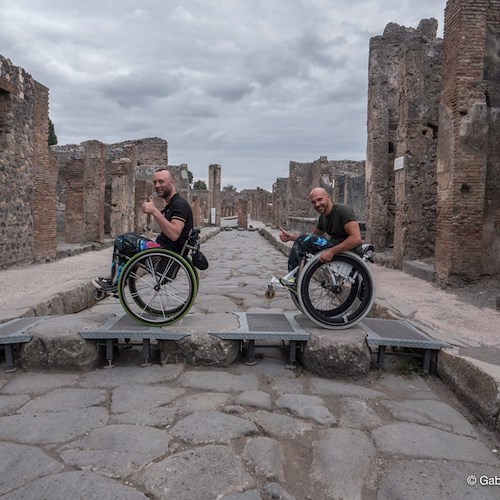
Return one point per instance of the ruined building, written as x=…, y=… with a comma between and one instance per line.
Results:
x=344, y=179
x=27, y=175
x=432, y=166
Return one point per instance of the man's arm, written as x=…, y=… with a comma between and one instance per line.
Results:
x=171, y=229
x=286, y=236
x=352, y=241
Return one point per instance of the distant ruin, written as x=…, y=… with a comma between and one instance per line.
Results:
x=429, y=189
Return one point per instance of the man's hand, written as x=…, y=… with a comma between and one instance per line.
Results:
x=285, y=235
x=327, y=255
x=148, y=207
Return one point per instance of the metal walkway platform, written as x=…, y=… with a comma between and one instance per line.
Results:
x=123, y=327
x=13, y=333
x=399, y=333
x=255, y=327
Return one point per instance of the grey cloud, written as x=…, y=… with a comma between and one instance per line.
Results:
x=229, y=90
x=135, y=90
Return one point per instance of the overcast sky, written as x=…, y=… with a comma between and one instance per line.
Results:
x=248, y=84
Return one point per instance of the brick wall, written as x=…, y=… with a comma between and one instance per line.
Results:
x=403, y=104
x=468, y=233
x=27, y=177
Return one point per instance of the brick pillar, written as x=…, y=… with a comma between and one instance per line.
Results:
x=44, y=170
x=94, y=185
x=142, y=221
x=214, y=194
x=74, y=225
x=122, y=197
x=197, y=212
x=468, y=147
x=243, y=213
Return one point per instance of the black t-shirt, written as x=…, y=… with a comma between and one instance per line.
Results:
x=333, y=224
x=177, y=208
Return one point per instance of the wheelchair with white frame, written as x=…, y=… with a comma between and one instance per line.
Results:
x=335, y=295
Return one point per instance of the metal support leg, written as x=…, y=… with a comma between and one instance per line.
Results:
x=381, y=356
x=251, y=353
x=9, y=357
x=292, y=354
x=145, y=352
x=109, y=352
x=427, y=360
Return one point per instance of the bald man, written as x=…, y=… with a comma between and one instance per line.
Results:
x=335, y=220
x=175, y=222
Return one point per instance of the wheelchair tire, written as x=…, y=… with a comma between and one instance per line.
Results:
x=157, y=287
x=337, y=294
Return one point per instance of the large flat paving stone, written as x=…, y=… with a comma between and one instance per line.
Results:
x=22, y=464
x=116, y=450
x=219, y=381
x=207, y=427
x=343, y=463
x=139, y=397
x=54, y=427
x=74, y=485
x=65, y=399
x=38, y=383
x=306, y=407
x=124, y=375
x=434, y=413
x=442, y=480
x=211, y=471
x=414, y=440
x=278, y=425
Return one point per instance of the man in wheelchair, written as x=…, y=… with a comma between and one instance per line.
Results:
x=337, y=221
x=175, y=222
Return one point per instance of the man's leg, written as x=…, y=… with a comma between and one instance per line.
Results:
x=304, y=244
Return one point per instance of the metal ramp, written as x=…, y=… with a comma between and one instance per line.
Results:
x=260, y=327
x=13, y=333
x=123, y=327
x=400, y=333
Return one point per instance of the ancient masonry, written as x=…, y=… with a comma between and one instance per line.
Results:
x=468, y=166
x=432, y=166
x=27, y=174
x=429, y=188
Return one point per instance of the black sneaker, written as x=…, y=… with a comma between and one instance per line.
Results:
x=105, y=284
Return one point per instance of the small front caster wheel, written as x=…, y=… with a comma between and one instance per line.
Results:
x=270, y=292
x=98, y=294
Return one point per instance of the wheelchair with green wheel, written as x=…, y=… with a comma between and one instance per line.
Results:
x=158, y=287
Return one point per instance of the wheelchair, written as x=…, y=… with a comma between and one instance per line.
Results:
x=335, y=295
x=158, y=287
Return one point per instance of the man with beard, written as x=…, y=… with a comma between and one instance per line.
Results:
x=335, y=220
x=175, y=222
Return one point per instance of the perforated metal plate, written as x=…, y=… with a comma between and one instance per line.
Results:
x=13, y=332
x=124, y=326
x=266, y=326
x=398, y=333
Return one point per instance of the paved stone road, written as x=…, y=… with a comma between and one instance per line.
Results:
x=245, y=433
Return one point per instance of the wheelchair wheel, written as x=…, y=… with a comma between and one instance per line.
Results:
x=295, y=300
x=338, y=294
x=157, y=287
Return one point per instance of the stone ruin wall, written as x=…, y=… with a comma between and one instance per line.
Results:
x=468, y=167
x=432, y=167
x=343, y=179
x=28, y=205
x=403, y=104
